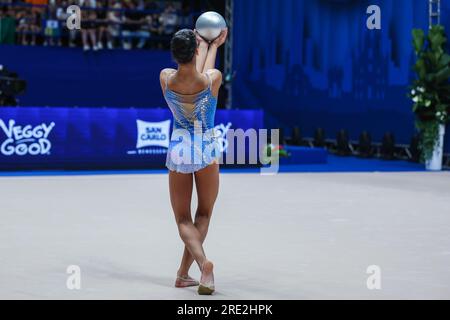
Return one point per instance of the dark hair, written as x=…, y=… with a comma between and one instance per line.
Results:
x=183, y=46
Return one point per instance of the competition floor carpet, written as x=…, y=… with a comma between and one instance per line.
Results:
x=289, y=236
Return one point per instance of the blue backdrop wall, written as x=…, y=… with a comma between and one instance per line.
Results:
x=69, y=77
x=314, y=63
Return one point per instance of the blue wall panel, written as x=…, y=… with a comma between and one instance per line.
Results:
x=69, y=77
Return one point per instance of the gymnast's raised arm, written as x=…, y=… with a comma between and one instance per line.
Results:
x=212, y=51
x=202, y=52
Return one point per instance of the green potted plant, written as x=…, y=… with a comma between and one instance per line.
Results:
x=430, y=92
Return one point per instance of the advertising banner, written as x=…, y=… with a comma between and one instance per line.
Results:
x=97, y=138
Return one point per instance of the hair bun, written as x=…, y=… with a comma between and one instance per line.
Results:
x=183, y=46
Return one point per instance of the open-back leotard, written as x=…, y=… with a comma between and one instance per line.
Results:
x=194, y=143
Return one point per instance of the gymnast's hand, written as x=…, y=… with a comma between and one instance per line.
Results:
x=221, y=39
x=201, y=42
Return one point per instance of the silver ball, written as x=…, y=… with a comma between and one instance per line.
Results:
x=210, y=24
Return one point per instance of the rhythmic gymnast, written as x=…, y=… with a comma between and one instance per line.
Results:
x=191, y=93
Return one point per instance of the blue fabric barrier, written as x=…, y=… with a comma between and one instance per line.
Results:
x=314, y=63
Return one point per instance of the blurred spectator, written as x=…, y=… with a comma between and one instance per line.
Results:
x=155, y=26
x=35, y=25
x=52, y=27
x=102, y=23
x=88, y=25
x=114, y=24
x=169, y=20
x=150, y=19
x=62, y=15
x=29, y=26
x=186, y=19
x=133, y=20
x=23, y=18
x=7, y=26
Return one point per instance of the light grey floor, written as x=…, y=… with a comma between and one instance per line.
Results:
x=291, y=236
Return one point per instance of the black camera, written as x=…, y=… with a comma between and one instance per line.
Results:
x=10, y=87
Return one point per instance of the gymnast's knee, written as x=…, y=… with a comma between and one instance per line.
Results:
x=184, y=220
x=203, y=214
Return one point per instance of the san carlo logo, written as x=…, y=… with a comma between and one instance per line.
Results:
x=152, y=137
x=22, y=140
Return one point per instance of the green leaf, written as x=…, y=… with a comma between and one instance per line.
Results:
x=443, y=75
x=445, y=60
x=421, y=68
x=430, y=77
x=437, y=41
x=433, y=58
x=418, y=39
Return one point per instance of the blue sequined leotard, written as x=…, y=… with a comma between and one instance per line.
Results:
x=194, y=143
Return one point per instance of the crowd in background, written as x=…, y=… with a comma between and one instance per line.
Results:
x=105, y=24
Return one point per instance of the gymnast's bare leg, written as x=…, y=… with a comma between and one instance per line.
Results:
x=207, y=185
x=192, y=233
